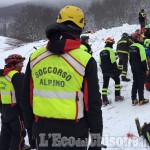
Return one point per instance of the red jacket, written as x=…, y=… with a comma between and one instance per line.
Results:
x=147, y=85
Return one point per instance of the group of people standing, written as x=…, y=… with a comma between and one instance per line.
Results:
x=58, y=98
x=138, y=60
x=135, y=49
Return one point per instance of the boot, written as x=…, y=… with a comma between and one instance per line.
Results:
x=26, y=147
x=105, y=102
x=143, y=101
x=119, y=98
x=134, y=102
x=125, y=79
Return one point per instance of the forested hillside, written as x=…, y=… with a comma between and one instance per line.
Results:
x=27, y=22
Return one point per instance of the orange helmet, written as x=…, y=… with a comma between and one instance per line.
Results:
x=110, y=40
x=14, y=58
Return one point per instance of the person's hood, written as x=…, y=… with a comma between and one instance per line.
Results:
x=62, y=38
x=7, y=70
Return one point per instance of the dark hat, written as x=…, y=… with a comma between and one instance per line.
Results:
x=84, y=37
x=142, y=10
x=125, y=35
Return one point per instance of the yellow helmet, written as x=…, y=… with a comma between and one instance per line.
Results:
x=71, y=13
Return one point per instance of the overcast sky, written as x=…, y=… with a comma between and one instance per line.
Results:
x=58, y=3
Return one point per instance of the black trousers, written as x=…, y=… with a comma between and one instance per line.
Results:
x=142, y=24
x=56, y=142
x=106, y=78
x=138, y=84
x=123, y=60
x=12, y=134
x=50, y=138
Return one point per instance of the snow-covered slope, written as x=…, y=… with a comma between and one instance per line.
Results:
x=118, y=118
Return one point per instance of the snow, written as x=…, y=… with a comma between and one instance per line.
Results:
x=118, y=118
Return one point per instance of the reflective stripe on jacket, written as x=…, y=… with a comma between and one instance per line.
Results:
x=57, y=82
x=6, y=88
x=137, y=56
x=109, y=54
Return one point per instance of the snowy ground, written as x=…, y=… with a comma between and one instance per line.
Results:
x=118, y=118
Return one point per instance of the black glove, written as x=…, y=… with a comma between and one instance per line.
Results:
x=147, y=78
x=31, y=139
x=32, y=142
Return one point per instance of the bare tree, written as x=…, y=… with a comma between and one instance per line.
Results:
x=3, y=26
x=112, y=13
x=30, y=24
